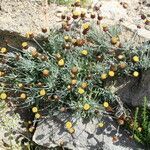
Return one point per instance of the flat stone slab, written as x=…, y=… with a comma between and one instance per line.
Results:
x=87, y=136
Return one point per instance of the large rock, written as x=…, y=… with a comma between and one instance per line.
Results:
x=20, y=17
x=134, y=90
x=10, y=126
x=87, y=136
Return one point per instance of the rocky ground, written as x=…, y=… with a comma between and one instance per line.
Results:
x=18, y=17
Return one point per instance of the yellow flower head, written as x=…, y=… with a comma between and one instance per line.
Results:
x=73, y=81
x=66, y=38
x=77, y=1
x=86, y=26
x=58, y=56
x=34, y=109
x=86, y=107
x=29, y=122
x=31, y=129
x=3, y=50
x=45, y=72
x=106, y=104
x=24, y=44
x=84, y=52
x=61, y=62
x=29, y=34
x=23, y=96
x=136, y=59
x=139, y=129
x=83, y=11
x=121, y=57
x=20, y=85
x=103, y=76
x=111, y=73
x=135, y=74
x=84, y=85
x=114, y=40
x=42, y=92
x=68, y=125
x=101, y=124
x=3, y=96
x=76, y=13
x=71, y=130
x=1, y=73
x=103, y=26
x=37, y=115
x=81, y=90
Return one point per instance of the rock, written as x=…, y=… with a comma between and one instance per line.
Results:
x=141, y=32
x=10, y=124
x=133, y=91
x=113, y=10
x=87, y=136
x=20, y=17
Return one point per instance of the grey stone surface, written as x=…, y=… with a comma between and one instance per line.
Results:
x=87, y=135
x=133, y=91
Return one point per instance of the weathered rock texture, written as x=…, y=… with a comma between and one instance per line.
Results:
x=20, y=16
x=134, y=90
x=87, y=136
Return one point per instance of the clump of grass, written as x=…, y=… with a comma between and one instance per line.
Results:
x=141, y=126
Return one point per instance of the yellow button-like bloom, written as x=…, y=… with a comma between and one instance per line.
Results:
x=76, y=13
x=139, y=129
x=20, y=85
x=71, y=130
x=29, y=122
x=86, y=26
x=45, y=72
x=101, y=124
x=73, y=82
x=68, y=124
x=111, y=73
x=37, y=115
x=114, y=40
x=86, y=107
x=42, y=92
x=103, y=76
x=3, y=96
x=3, y=50
x=77, y=1
x=34, y=109
x=29, y=34
x=83, y=11
x=61, y=62
x=106, y=104
x=1, y=73
x=31, y=129
x=136, y=59
x=66, y=38
x=81, y=90
x=135, y=74
x=84, y=52
x=84, y=85
x=24, y=44
x=23, y=96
